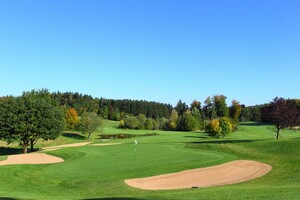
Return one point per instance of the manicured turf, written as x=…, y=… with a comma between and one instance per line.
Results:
x=98, y=171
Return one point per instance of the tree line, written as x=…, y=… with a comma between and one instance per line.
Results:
x=43, y=115
x=112, y=109
x=214, y=116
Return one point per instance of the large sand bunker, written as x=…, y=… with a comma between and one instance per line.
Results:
x=31, y=158
x=228, y=173
x=42, y=158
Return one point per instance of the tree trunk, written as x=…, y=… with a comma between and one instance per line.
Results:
x=31, y=145
x=24, y=149
x=277, y=133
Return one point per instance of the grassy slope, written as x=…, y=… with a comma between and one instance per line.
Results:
x=98, y=172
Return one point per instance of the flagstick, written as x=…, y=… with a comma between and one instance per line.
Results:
x=135, y=144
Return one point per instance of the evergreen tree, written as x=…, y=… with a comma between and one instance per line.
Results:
x=181, y=107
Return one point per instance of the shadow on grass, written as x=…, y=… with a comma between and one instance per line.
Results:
x=198, y=136
x=115, y=198
x=74, y=136
x=227, y=141
x=4, y=151
x=7, y=198
x=253, y=124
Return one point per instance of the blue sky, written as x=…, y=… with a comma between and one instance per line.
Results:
x=155, y=50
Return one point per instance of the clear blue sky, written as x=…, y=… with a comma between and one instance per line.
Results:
x=155, y=50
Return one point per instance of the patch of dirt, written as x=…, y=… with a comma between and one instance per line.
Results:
x=228, y=173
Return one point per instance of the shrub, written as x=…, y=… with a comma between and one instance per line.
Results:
x=225, y=126
x=219, y=127
x=213, y=128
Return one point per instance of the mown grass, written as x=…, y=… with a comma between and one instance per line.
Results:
x=98, y=172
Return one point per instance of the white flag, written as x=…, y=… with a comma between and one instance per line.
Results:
x=135, y=141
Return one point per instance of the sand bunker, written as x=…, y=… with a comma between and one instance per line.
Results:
x=31, y=158
x=42, y=158
x=80, y=144
x=105, y=144
x=228, y=173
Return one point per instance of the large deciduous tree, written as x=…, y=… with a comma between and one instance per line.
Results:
x=31, y=117
x=282, y=114
x=235, y=110
x=89, y=123
x=221, y=106
x=187, y=122
x=209, y=109
x=71, y=119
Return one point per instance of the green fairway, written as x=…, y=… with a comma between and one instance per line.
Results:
x=92, y=172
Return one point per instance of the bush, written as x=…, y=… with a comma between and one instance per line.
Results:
x=225, y=126
x=213, y=128
x=219, y=127
x=131, y=122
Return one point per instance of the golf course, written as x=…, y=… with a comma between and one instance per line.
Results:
x=98, y=170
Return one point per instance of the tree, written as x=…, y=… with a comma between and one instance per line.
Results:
x=245, y=114
x=131, y=122
x=89, y=123
x=209, y=109
x=142, y=120
x=187, y=122
x=104, y=112
x=198, y=118
x=173, y=120
x=31, y=117
x=196, y=104
x=235, y=112
x=149, y=124
x=181, y=107
x=221, y=106
x=71, y=119
x=219, y=127
x=282, y=114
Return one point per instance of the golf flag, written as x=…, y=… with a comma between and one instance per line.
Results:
x=135, y=141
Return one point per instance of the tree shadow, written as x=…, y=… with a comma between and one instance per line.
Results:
x=198, y=136
x=4, y=151
x=227, y=141
x=253, y=124
x=7, y=198
x=74, y=136
x=115, y=198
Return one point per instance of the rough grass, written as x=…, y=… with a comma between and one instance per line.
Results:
x=93, y=172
